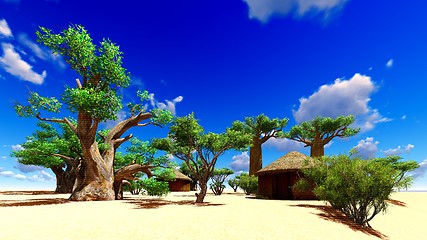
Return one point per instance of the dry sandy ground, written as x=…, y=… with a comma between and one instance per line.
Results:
x=229, y=216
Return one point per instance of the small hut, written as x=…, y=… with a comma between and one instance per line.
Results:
x=181, y=183
x=275, y=181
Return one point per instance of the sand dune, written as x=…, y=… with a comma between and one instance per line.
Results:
x=229, y=216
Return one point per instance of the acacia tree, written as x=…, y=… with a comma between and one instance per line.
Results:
x=186, y=171
x=94, y=100
x=218, y=178
x=320, y=131
x=48, y=148
x=261, y=129
x=187, y=142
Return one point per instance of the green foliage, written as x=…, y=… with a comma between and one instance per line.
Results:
x=249, y=184
x=37, y=103
x=261, y=126
x=135, y=187
x=234, y=183
x=323, y=126
x=155, y=188
x=357, y=187
x=218, y=177
x=41, y=147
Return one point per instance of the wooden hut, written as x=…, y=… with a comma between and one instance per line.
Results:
x=275, y=181
x=181, y=182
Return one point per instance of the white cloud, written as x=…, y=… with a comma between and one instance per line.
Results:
x=4, y=29
x=264, y=9
x=389, y=64
x=284, y=144
x=168, y=105
x=399, y=150
x=19, y=177
x=3, y=157
x=343, y=97
x=367, y=148
x=17, y=147
x=12, y=63
x=27, y=168
x=329, y=144
x=420, y=172
x=240, y=162
x=7, y=173
x=42, y=53
x=403, y=117
x=42, y=176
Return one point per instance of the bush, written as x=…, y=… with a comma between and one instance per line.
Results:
x=218, y=177
x=249, y=184
x=357, y=187
x=134, y=187
x=155, y=188
x=234, y=184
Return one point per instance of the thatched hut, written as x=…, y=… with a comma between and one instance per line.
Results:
x=275, y=181
x=181, y=183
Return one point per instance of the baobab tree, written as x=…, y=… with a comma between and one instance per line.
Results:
x=320, y=131
x=261, y=128
x=94, y=99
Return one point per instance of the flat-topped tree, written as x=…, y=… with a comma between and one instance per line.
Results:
x=94, y=100
x=261, y=128
x=61, y=152
x=188, y=142
x=320, y=131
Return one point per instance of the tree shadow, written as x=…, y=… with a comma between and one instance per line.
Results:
x=27, y=192
x=396, y=202
x=331, y=214
x=32, y=202
x=157, y=203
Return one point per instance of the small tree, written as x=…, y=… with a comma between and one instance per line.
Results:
x=320, y=131
x=187, y=142
x=249, y=184
x=357, y=187
x=234, y=183
x=218, y=178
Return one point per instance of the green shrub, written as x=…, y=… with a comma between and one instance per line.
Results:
x=234, y=184
x=155, y=188
x=249, y=184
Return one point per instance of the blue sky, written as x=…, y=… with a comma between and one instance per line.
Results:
x=225, y=60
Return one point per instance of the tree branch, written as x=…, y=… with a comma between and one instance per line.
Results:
x=119, y=141
x=56, y=120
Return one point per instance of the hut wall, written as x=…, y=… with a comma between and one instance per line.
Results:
x=265, y=186
x=281, y=186
x=179, y=186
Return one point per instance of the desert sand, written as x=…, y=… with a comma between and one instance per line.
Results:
x=229, y=216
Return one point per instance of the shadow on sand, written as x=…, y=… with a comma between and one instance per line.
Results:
x=32, y=202
x=157, y=203
x=331, y=214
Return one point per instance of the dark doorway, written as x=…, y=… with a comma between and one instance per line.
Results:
x=281, y=189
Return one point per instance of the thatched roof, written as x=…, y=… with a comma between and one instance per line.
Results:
x=180, y=176
x=291, y=161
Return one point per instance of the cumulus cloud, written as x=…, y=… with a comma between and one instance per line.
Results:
x=263, y=10
x=284, y=144
x=389, y=64
x=167, y=105
x=367, y=148
x=240, y=162
x=17, y=147
x=42, y=53
x=12, y=63
x=7, y=173
x=4, y=29
x=420, y=172
x=27, y=168
x=41, y=177
x=399, y=150
x=343, y=97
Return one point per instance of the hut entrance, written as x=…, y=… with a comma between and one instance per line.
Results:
x=281, y=186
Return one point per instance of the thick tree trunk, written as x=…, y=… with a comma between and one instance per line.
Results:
x=317, y=150
x=255, y=158
x=95, y=177
x=64, y=179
